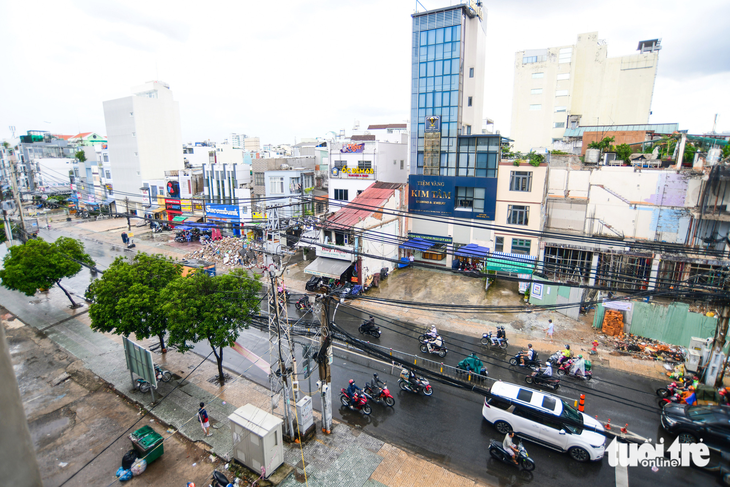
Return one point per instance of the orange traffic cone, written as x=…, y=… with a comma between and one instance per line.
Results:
x=608, y=425
x=582, y=403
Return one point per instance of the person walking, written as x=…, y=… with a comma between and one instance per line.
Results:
x=203, y=418
x=550, y=329
x=125, y=238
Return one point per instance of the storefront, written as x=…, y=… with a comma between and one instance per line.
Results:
x=431, y=249
x=228, y=215
x=173, y=208
x=470, y=257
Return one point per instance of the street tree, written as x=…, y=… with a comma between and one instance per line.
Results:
x=216, y=309
x=38, y=264
x=127, y=298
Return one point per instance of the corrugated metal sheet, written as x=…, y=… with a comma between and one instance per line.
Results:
x=660, y=128
x=363, y=206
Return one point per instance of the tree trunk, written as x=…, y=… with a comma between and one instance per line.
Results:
x=219, y=359
x=161, y=336
x=73, y=303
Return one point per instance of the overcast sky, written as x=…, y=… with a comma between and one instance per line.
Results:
x=301, y=68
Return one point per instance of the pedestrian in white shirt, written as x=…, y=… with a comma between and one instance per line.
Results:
x=550, y=329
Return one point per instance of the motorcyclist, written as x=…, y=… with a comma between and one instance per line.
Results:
x=369, y=324
x=432, y=333
x=509, y=445
x=566, y=355
x=352, y=391
x=545, y=373
x=413, y=379
x=527, y=355
x=377, y=384
x=578, y=367
x=435, y=343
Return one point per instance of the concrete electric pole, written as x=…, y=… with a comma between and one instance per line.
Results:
x=16, y=196
x=325, y=377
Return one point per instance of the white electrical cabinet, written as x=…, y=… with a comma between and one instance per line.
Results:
x=692, y=362
x=305, y=414
x=257, y=440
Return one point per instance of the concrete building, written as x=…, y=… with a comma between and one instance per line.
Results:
x=357, y=241
x=252, y=144
x=262, y=165
x=290, y=189
x=198, y=153
x=576, y=140
x=563, y=87
x=144, y=139
x=453, y=165
x=237, y=141
x=44, y=162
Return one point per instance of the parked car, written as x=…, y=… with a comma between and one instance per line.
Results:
x=710, y=424
x=544, y=419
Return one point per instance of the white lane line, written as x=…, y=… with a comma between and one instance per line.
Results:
x=622, y=476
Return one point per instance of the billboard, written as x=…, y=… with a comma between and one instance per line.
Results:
x=437, y=195
x=223, y=212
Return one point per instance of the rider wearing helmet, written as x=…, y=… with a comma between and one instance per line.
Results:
x=566, y=355
x=352, y=391
x=370, y=324
x=578, y=367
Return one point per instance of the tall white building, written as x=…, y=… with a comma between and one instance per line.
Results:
x=144, y=139
x=567, y=86
x=237, y=140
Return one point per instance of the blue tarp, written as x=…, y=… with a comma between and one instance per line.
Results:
x=416, y=244
x=183, y=227
x=473, y=250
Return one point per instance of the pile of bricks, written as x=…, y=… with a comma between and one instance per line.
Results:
x=613, y=323
x=224, y=251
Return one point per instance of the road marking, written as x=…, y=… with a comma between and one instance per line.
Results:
x=622, y=476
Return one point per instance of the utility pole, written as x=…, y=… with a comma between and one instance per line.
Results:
x=325, y=377
x=720, y=337
x=16, y=196
x=129, y=225
x=8, y=230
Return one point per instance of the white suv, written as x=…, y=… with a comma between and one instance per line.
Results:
x=540, y=418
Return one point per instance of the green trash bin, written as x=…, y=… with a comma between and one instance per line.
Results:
x=141, y=433
x=150, y=447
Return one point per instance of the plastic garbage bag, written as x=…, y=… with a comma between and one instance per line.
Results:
x=124, y=475
x=139, y=466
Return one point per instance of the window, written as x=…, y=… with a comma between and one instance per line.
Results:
x=517, y=215
x=536, y=91
x=341, y=194
x=561, y=109
x=538, y=75
x=533, y=59
x=402, y=164
x=561, y=92
x=470, y=199
x=520, y=246
x=563, y=76
x=565, y=54
x=340, y=164
x=108, y=175
x=499, y=244
x=135, y=153
x=469, y=101
x=471, y=72
x=364, y=164
x=520, y=181
x=134, y=134
x=559, y=125
x=106, y=157
x=276, y=184
x=534, y=108
x=258, y=179
x=131, y=114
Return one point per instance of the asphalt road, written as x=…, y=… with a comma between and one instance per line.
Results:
x=448, y=427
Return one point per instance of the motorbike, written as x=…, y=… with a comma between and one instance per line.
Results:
x=219, y=480
x=541, y=380
x=523, y=460
x=377, y=391
x=675, y=398
x=428, y=347
x=421, y=386
x=670, y=390
x=368, y=329
x=564, y=369
x=360, y=400
x=162, y=375
x=303, y=304
x=532, y=364
x=500, y=340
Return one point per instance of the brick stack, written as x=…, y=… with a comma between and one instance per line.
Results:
x=613, y=322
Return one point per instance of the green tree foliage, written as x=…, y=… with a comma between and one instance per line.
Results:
x=127, y=298
x=623, y=152
x=81, y=156
x=726, y=151
x=603, y=145
x=38, y=264
x=200, y=307
x=536, y=159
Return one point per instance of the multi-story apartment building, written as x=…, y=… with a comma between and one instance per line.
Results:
x=262, y=165
x=144, y=139
x=238, y=141
x=453, y=165
x=228, y=192
x=290, y=190
x=566, y=86
x=44, y=162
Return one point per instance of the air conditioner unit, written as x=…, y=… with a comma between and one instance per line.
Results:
x=284, y=167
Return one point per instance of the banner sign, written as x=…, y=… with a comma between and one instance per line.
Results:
x=353, y=148
x=431, y=238
x=437, y=195
x=227, y=212
x=433, y=124
x=186, y=206
x=173, y=205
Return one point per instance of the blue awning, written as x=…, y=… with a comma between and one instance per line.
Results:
x=108, y=201
x=416, y=244
x=183, y=227
x=473, y=250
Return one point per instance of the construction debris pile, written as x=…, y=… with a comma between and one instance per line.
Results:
x=613, y=323
x=649, y=349
x=225, y=251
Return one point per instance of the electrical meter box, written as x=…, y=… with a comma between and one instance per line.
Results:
x=257, y=440
x=304, y=413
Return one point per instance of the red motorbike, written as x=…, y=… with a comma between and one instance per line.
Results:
x=360, y=402
x=377, y=391
x=564, y=369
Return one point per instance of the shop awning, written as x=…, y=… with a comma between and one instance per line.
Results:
x=179, y=218
x=324, y=267
x=512, y=263
x=183, y=227
x=108, y=201
x=416, y=244
x=193, y=219
x=473, y=250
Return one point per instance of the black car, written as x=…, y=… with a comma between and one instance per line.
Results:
x=692, y=423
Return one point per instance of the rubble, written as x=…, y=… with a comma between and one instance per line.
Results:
x=225, y=251
x=649, y=349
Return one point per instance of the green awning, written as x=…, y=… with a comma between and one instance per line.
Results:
x=512, y=263
x=179, y=218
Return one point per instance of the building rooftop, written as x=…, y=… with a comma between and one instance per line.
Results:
x=388, y=126
x=362, y=137
x=661, y=128
x=363, y=206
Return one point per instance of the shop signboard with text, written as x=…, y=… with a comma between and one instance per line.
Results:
x=458, y=197
x=223, y=212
